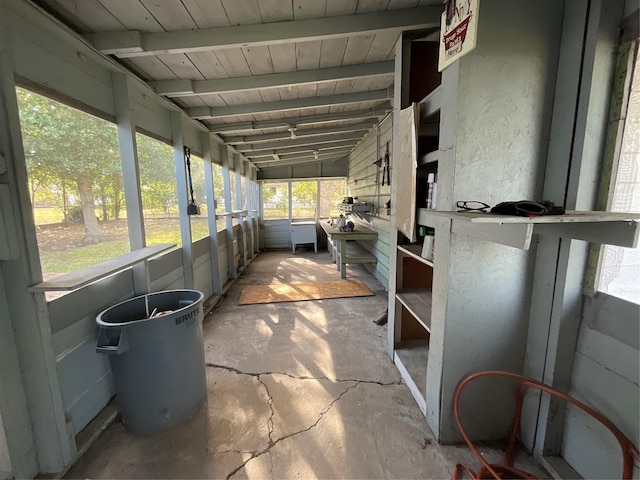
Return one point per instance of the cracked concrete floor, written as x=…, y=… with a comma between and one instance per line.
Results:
x=300, y=389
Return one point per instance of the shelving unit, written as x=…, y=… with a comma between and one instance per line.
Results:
x=413, y=316
x=410, y=316
x=493, y=300
x=621, y=228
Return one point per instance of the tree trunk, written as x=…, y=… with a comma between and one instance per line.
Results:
x=105, y=207
x=65, y=207
x=92, y=232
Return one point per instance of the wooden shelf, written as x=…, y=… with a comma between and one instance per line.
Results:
x=418, y=303
x=411, y=358
x=608, y=228
x=85, y=276
x=415, y=251
x=431, y=103
x=233, y=214
x=428, y=158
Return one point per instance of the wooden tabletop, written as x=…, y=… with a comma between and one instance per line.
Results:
x=359, y=232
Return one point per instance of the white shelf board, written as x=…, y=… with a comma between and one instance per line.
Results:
x=411, y=357
x=431, y=103
x=610, y=228
x=418, y=302
x=92, y=273
x=428, y=158
x=414, y=251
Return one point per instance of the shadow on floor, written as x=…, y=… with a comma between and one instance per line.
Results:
x=300, y=389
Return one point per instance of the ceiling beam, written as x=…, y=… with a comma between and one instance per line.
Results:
x=282, y=136
x=321, y=155
x=376, y=112
x=250, y=150
x=311, y=141
x=285, y=154
x=133, y=43
x=183, y=88
x=285, y=163
x=201, y=113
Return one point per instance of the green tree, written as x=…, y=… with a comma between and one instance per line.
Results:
x=305, y=193
x=268, y=193
x=157, y=174
x=65, y=144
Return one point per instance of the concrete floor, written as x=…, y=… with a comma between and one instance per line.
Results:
x=301, y=389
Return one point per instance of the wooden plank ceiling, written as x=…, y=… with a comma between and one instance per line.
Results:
x=283, y=81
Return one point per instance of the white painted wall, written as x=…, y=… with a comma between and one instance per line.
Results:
x=495, y=123
x=362, y=169
x=277, y=233
x=5, y=460
x=606, y=376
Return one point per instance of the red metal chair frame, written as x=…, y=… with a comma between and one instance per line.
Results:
x=506, y=469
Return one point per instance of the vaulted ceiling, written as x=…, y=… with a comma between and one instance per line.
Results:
x=283, y=81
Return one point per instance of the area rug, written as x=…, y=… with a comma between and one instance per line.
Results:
x=296, y=292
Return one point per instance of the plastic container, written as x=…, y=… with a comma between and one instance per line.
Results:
x=156, y=351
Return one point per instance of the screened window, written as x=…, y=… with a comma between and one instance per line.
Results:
x=199, y=223
x=232, y=189
x=275, y=200
x=159, y=191
x=304, y=199
x=331, y=193
x=218, y=188
x=75, y=182
x=619, y=269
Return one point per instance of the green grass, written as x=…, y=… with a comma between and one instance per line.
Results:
x=80, y=257
x=77, y=257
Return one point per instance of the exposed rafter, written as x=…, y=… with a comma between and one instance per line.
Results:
x=134, y=43
x=201, y=113
x=285, y=136
x=285, y=163
x=311, y=141
x=182, y=88
x=376, y=112
x=284, y=154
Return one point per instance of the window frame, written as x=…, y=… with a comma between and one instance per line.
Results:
x=627, y=61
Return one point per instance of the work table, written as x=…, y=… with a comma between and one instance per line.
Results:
x=345, y=253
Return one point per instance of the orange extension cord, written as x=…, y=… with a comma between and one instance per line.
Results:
x=506, y=470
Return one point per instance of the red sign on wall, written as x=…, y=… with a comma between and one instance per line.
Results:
x=458, y=30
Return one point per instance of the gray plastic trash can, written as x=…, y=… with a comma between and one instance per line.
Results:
x=157, y=363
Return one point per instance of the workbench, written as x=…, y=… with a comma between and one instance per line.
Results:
x=345, y=248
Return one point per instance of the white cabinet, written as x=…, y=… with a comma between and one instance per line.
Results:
x=303, y=232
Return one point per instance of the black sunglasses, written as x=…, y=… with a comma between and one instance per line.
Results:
x=472, y=206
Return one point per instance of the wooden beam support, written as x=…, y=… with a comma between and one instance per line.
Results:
x=283, y=136
x=133, y=43
x=202, y=113
x=338, y=153
x=376, y=112
x=283, y=163
x=312, y=141
x=346, y=145
x=185, y=88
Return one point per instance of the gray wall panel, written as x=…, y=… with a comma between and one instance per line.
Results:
x=365, y=185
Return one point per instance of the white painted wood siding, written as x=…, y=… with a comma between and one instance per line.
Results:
x=363, y=169
x=277, y=233
x=606, y=376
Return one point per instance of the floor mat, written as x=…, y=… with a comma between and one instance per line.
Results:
x=296, y=292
